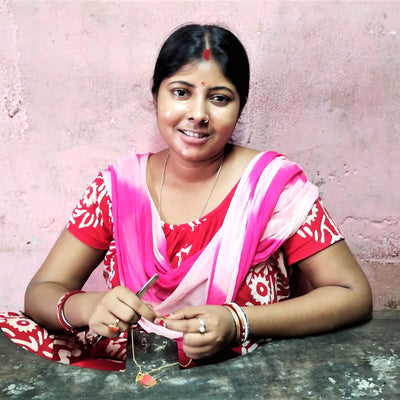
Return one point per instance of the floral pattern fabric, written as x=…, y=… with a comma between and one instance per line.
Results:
x=78, y=349
x=92, y=223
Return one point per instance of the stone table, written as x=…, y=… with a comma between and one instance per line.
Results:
x=358, y=362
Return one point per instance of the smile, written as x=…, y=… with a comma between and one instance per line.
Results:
x=194, y=134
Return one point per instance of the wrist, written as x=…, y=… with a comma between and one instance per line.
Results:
x=79, y=308
x=62, y=319
x=241, y=322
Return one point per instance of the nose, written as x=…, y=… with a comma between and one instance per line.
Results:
x=198, y=112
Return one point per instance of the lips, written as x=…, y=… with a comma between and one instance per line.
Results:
x=197, y=135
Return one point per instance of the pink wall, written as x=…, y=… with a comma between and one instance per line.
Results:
x=74, y=96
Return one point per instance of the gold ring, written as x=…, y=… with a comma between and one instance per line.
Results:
x=114, y=327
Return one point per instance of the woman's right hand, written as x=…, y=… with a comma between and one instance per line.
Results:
x=119, y=306
x=67, y=267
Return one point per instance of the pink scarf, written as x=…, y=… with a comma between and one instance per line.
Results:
x=271, y=202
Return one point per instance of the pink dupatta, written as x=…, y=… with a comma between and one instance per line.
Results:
x=271, y=202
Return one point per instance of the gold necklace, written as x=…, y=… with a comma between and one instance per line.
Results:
x=209, y=195
x=145, y=379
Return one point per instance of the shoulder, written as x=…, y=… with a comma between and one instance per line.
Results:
x=242, y=154
x=238, y=158
x=131, y=160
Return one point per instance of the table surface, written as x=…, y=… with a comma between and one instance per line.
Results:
x=358, y=362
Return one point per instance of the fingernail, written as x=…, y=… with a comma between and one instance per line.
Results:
x=167, y=315
x=157, y=321
x=163, y=323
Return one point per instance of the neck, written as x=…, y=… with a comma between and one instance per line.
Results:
x=211, y=174
x=192, y=172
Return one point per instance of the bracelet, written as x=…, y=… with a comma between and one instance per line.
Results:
x=60, y=311
x=235, y=321
x=244, y=322
x=241, y=321
x=238, y=322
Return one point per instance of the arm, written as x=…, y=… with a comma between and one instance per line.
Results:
x=67, y=267
x=341, y=296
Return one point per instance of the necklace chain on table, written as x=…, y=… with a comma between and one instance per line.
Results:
x=209, y=195
x=146, y=379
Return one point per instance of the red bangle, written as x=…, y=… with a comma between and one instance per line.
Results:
x=236, y=323
x=241, y=322
x=60, y=311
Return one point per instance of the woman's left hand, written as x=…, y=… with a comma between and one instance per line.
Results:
x=219, y=330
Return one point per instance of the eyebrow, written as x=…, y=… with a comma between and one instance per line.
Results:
x=192, y=86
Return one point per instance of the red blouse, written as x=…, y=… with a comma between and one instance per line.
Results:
x=268, y=282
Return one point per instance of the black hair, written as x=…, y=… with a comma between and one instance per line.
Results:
x=188, y=43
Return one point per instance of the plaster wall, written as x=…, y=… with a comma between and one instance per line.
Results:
x=75, y=96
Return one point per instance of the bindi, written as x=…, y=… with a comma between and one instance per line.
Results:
x=202, y=83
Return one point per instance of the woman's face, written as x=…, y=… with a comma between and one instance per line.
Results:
x=197, y=110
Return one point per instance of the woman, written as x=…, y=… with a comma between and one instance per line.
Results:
x=225, y=227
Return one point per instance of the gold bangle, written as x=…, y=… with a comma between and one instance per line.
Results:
x=236, y=322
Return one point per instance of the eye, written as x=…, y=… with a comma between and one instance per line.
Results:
x=180, y=93
x=220, y=99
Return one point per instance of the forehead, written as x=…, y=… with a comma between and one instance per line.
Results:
x=203, y=70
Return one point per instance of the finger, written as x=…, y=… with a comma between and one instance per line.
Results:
x=158, y=315
x=130, y=299
x=192, y=325
x=143, y=310
x=134, y=319
x=118, y=326
x=197, y=346
x=125, y=313
x=107, y=330
x=185, y=313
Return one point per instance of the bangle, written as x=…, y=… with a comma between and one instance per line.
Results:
x=244, y=322
x=241, y=320
x=235, y=321
x=60, y=310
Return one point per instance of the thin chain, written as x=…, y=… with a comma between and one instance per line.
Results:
x=162, y=183
x=209, y=195
x=213, y=187
x=140, y=373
